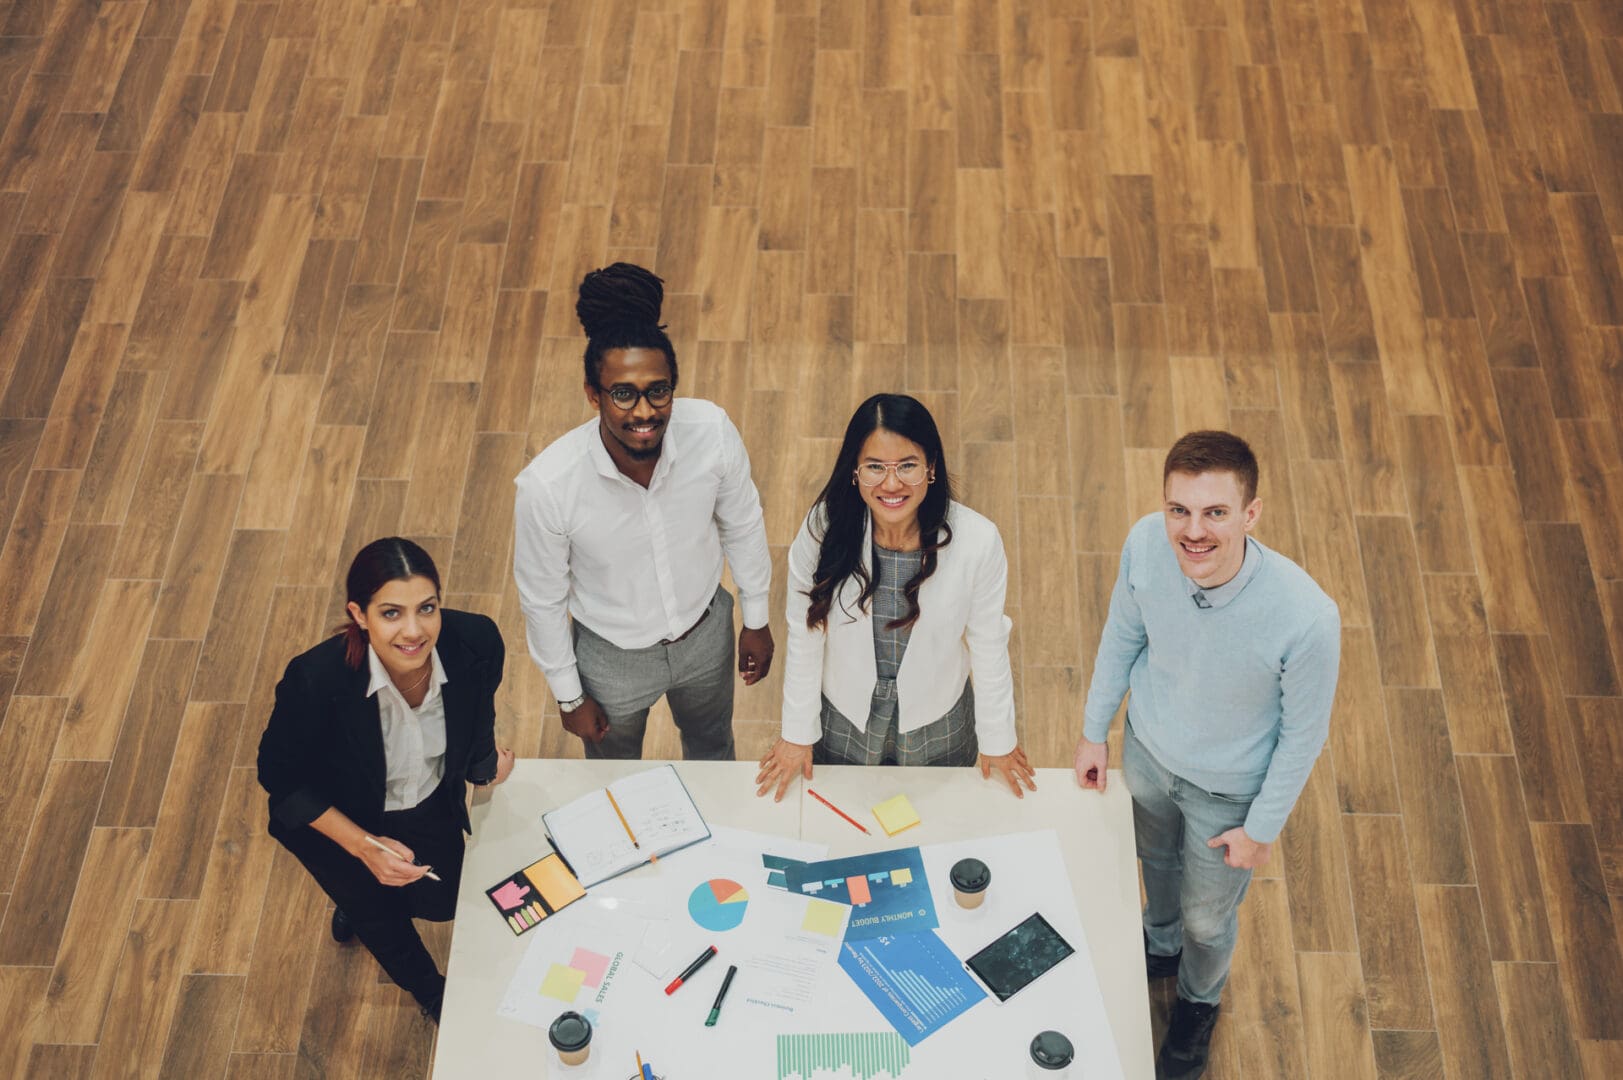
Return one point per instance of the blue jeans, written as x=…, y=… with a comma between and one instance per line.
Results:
x=1193, y=897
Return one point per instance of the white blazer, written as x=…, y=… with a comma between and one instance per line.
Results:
x=961, y=629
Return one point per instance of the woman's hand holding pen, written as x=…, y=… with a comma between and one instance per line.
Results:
x=393, y=867
x=780, y=765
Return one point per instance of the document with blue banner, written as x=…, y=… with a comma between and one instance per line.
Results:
x=914, y=980
x=886, y=890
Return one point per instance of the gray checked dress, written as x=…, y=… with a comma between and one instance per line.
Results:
x=947, y=741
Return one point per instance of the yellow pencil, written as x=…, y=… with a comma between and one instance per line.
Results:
x=621, y=814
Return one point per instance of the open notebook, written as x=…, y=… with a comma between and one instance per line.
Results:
x=657, y=807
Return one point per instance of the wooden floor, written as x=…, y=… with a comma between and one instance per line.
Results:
x=279, y=278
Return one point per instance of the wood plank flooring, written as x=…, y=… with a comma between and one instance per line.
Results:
x=278, y=277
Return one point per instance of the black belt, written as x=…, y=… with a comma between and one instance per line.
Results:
x=684, y=635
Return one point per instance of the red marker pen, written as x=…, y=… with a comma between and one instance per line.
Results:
x=704, y=958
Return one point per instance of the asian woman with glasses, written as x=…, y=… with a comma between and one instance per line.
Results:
x=895, y=601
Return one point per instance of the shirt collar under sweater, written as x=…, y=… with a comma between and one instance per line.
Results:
x=1222, y=594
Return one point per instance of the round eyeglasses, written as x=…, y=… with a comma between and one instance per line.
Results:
x=625, y=397
x=872, y=473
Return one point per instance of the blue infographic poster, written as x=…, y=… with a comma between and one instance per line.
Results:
x=887, y=891
x=913, y=979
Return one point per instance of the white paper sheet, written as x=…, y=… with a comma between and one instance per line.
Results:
x=778, y=967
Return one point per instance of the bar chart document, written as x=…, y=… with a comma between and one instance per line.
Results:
x=865, y=1055
x=914, y=980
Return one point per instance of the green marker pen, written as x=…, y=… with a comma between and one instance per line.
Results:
x=715, y=1010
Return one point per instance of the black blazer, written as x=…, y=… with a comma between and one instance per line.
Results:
x=323, y=746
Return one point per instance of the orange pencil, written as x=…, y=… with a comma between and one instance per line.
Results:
x=837, y=810
x=622, y=818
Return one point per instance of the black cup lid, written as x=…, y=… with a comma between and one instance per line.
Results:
x=970, y=876
x=1051, y=1050
x=570, y=1032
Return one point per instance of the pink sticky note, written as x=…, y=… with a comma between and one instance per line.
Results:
x=510, y=895
x=594, y=964
x=859, y=889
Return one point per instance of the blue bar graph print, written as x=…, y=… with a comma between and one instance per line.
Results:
x=914, y=980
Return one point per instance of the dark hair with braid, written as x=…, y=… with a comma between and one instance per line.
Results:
x=840, y=555
x=618, y=307
x=393, y=558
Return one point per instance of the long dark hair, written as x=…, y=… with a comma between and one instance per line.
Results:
x=840, y=555
x=618, y=307
x=393, y=558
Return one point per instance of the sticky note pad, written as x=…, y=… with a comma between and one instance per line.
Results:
x=896, y=815
x=556, y=884
x=562, y=982
x=822, y=917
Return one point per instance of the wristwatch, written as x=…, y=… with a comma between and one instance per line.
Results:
x=571, y=706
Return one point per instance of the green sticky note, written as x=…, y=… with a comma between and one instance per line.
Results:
x=562, y=982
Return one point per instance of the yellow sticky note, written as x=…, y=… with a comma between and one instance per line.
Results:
x=822, y=917
x=896, y=815
x=902, y=875
x=562, y=982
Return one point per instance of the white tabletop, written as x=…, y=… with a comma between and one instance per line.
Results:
x=1096, y=834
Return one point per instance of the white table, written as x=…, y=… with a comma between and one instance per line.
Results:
x=1096, y=834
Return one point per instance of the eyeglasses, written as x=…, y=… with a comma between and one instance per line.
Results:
x=911, y=473
x=625, y=397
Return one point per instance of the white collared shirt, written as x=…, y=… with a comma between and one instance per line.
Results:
x=637, y=565
x=413, y=739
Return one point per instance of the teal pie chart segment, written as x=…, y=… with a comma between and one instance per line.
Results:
x=718, y=905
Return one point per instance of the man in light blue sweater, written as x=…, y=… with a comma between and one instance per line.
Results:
x=1231, y=653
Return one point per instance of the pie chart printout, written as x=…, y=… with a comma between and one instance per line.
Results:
x=718, y=904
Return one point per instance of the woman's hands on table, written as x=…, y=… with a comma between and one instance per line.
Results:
x=1013, y=767
x=780, y=765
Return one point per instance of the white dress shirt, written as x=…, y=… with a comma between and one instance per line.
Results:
x=962, y=628
x=637, y=565
x=413, y=739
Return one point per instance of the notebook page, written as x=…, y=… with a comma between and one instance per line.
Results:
x=660, y=810
x=589, y=835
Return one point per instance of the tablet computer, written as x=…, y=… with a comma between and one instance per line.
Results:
x=1012, y=962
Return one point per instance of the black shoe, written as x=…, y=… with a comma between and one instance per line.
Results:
x=431, y=1011
x=1188, y=1042
x=342, y=928
x=1160, y=967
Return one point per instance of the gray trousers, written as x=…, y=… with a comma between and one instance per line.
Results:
x=695, y=675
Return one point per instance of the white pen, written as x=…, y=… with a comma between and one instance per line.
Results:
x=375, y=842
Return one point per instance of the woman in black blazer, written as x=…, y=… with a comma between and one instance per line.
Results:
x=373, y=736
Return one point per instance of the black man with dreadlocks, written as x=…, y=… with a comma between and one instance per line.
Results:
x=620, y=529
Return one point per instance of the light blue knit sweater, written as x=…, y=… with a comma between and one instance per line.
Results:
x=1235, y=698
